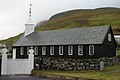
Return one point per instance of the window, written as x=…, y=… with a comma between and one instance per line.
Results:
x=118, y=39
x=43, y=50
x=70, y=50
x=51, y=50
x=36, y=50
x=80, y=50
x=60, y=50
x=109, y=37
x=91, y=49
x=28, y=48
x=21, y=50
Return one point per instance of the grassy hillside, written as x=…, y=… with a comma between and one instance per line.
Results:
x=84, y=17
x=79, y=18
x=10, y=40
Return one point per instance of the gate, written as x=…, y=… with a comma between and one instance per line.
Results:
x=16, y=66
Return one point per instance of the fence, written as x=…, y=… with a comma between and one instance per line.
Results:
x=16, y=66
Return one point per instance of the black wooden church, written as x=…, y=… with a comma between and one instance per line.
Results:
x=83, y=42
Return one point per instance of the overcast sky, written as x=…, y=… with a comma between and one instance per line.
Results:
x=14, y=13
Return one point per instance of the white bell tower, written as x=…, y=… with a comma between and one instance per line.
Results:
x=29, y=25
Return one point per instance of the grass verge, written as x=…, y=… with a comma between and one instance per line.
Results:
x=117, y=52
x=91, y=74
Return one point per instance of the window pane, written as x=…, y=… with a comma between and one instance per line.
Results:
x=60, y=50
x=109, y=37
x=36, y=50
x=70, y=50
x=91, y=50
x=51, y=50
x=80, y=50
x=43, y=50
x=28, y=48
x=21, y=50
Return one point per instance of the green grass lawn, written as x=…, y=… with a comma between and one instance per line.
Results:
x=91, y=74
x=117, y=52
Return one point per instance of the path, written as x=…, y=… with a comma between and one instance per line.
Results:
x=116, y=70
x=20, y=77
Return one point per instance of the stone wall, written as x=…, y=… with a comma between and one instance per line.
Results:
x=73, y=64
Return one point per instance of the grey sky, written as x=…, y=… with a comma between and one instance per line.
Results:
x=14, y=13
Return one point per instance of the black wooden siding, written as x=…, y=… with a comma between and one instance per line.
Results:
x=99, y=51
x=109, y=47
x=18, y=55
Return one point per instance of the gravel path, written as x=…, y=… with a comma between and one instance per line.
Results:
x=116, y=70
x=20, y=77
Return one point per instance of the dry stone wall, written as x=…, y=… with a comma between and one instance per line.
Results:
x=68, y=64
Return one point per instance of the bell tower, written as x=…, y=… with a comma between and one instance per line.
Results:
x=29, y=25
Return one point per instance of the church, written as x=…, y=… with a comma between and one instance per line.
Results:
x=81, y=48
x=81, y=43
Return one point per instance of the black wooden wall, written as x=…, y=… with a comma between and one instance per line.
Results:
x=99, y=51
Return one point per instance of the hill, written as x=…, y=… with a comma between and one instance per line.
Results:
x=84, y=17
x=10, y=40
x=78, y=18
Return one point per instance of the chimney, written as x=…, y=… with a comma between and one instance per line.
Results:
x=29, y=25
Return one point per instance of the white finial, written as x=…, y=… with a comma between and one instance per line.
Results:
x=29, y=25
x=30, y=10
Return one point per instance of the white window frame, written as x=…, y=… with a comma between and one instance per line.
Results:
x=43, y=50
x=28, y=48
x=22, y=51
x=91, y=49
x=36, y=50
x=109, y=37
x=70, y=50
x=60, y=50
x=80, y=50
x=51, y=50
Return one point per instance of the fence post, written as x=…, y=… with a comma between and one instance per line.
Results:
x=4, y=61
x=31, y=60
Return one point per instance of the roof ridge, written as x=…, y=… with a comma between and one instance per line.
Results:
x=73, y=28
